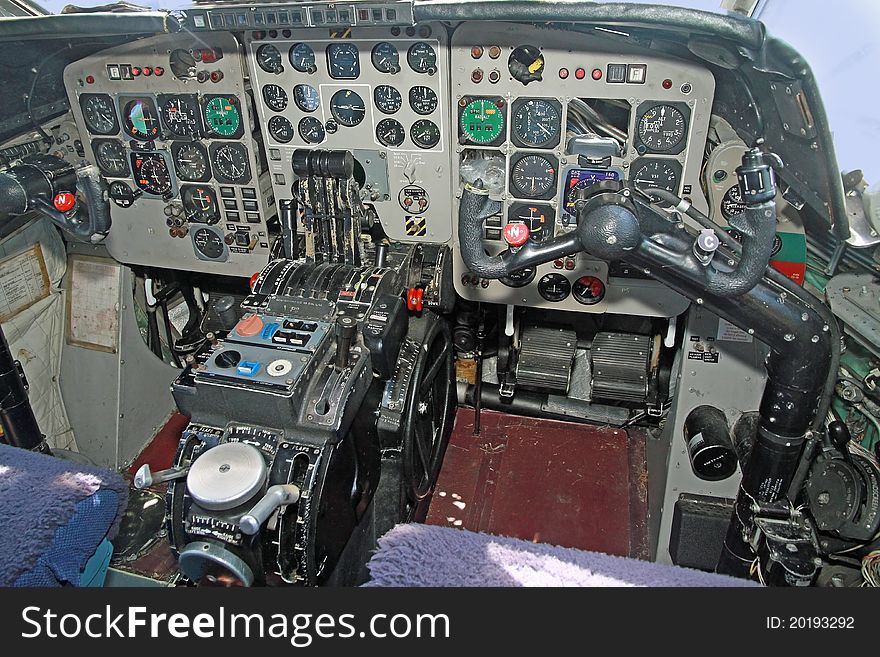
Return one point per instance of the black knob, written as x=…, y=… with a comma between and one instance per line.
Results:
x=227, y=359
x=346, y=328
x=839, y=436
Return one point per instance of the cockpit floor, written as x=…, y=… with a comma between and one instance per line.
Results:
x=574, y=485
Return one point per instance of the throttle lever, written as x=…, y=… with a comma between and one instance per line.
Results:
x=144, y=477
x=276, y=497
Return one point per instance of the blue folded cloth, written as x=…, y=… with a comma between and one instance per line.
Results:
x=54, y=514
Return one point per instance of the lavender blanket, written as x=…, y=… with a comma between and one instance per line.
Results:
x=425, y=555
x=39, y=495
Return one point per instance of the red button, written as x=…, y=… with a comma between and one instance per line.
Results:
x=415, y=297
x=580, y=73
x=249, y=325
x=254, y=280
x=64, y=201
x=135, y=71
x=147, y=71
x=597, y=73
x=158, y=70
x=516, y=234
x=563, y=73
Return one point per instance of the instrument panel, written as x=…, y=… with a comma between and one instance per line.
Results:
x=170, y=127
x=542, y=114
x=381, y=93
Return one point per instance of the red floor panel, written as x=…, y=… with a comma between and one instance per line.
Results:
x=566, y=484
x=159, y=452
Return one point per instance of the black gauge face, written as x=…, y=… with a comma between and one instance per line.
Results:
x=588, y=290
x=99, y=114
x=539, y=218
x=111, y=158
x=311, y=130
x=191, y=161
x=182, y=64
x=533, y=176
x=732, y=203
x=120, y=193
x=151, y=173
x=347, y=107
x=306, y=97
x=422, y=58
x=536, y=123
x=387, y=98
x=662, y=174
x=208, y=243
x=425, y=133
x=200, y=204
x=275, y=97
x=222, y=116
x=343, y=61
x=180, y=114
x=389, y=132
x=230, y=163
x=139, y=118
x=281, y=129
x=554, y=287
x=385, y=58
x=662, y=128
x=526, y=64
x=302, y=58
x=423, y=100
x=269, y=59
x=519, y=278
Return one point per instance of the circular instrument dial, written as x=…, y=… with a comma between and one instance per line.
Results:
x=482, y=120
x=181, y=115
x=588, y=290
x=662, y=128
x=269, y=59
x=390, y=132
x=275, y=97
x=425, y=133
x=200, y=204
x=311, y=130
x=536, y=122
x=422, y=58
x=347, y=107
x=208, y=243
x=732, y=203
x=388, y=99
x=302, y=58
x=554, y=287
x=306, y=97
x=343, y=61
x=121, y=194
x=533, y=176
x=422, y=100
x=111, y=158
x=519, y=278
x=151, y=173
x=222, y=116
x=191, y=161
x=538, y=217
x=654, y=172
x=281, y=129
x=139, y=118
x=385, y=58
x=99, y=114
x=230, y=163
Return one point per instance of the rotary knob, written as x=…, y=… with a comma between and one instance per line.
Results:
x=249, y=325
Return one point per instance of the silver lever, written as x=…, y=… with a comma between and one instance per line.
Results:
x=275, y=497
x=144, y=477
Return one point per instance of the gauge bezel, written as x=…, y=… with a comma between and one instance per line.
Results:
x=245, y=178
x=592, y=301
x=211, y=219
x=264, y=47
x=83, y=101
x=193, y=101
x=672, y=163
x=314, y=59
x=436, y=100
x=278, y=118
x=389, y=121
x=464, y=103
x=301, y=132
x=216, y=233
x=337, y=116
x=233, y=100
x=172, y=188
x=522, y=142
x=568, y=213
x=420, y=144
x=395, y=68
x=547, y=194
x=641, y=147
x=331, y=51
x=274, y=107
x=560, y=279
x=178, y=146
x=379, y=105
x=107, y=173
x=150, y=101
x=549, y=219
x=430, y=70
x=300, y=106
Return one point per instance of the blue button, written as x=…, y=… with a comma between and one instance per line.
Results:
x=248, y=367
x=269, y=330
